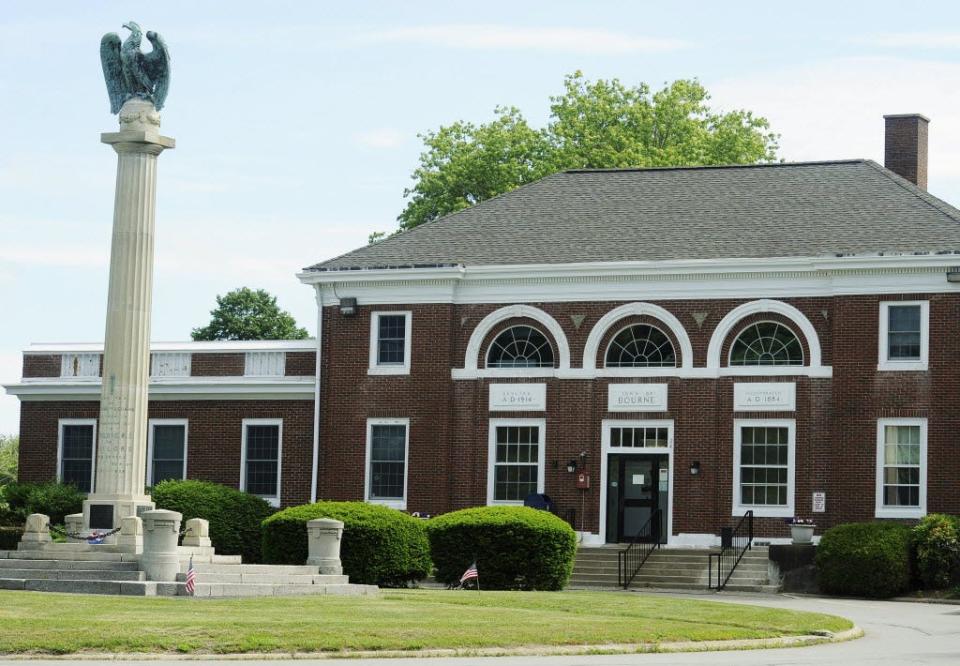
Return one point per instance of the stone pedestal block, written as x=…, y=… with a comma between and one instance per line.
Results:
x=197, y=533
x=131, y=534
x=74, y=525
x=36, y=533
x=323, y=543
x=161, y=531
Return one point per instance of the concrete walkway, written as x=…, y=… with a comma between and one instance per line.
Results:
x=897, y=633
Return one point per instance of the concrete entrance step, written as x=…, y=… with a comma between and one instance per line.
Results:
x=238, y=568
x=263, y=590
x=266, y=578
x=68, y=554
x=132, y=588
x=72, y=574
x=88, y=565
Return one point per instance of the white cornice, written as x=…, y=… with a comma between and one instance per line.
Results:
x=219, y=346
x=823, y=371
x=194, y=388
x=788, y=277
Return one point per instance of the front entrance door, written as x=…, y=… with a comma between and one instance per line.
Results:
x=634, y=493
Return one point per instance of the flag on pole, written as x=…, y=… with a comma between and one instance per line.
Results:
x=471, y=574
x=191, y=585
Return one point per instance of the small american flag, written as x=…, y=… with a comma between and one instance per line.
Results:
x=191, y=585
x=470, y=574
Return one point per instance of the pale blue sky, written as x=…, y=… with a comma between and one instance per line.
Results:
x=296, y=122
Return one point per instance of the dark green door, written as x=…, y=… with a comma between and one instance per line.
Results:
x=633, y=495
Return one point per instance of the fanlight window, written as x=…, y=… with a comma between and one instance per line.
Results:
x=766, y=343
x=641, y=346
x=520, y=347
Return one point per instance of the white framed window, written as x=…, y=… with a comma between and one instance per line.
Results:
x=904, y=335
x=260, y=456
x=901, y=468
x=77, y=452
x=166, y=450
x=80, y=365
x=515, y=459
x=170, y=364
x=390, y=334
x=264, y=364
x=388, y=446
x=764, y=467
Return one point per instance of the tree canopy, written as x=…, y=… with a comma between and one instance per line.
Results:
x=593, y=125
x=9, y=457
x=245, y=314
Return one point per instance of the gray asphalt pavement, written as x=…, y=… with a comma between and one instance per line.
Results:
x=900, y=633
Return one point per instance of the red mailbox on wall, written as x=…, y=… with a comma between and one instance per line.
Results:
x=583, y=480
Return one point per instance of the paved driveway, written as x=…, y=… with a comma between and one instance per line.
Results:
x=898, y=633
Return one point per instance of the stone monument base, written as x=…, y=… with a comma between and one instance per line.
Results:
x=106, y=512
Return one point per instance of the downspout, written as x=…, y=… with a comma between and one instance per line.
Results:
x=316, y=398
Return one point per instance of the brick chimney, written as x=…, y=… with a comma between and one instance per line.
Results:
x=905, y=147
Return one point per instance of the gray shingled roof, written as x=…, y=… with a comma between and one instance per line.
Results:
x=810, y=209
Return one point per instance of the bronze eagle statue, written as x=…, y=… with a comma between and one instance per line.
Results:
x=131, y=73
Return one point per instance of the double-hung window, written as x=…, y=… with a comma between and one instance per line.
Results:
x=260, y=465
x=904, y=335
x=390, y=343
x=387, y=445
x=166, y=450
x=901, y=468
x=77, y=452
x=764, y=467
x=516, y=455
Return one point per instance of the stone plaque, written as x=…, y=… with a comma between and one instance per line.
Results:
x=764, y=397
x=819, y=502
x=101, y=516
x=518, y=397
x=637, y=398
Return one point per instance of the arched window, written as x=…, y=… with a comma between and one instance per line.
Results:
x=641, y=346
x=520, y=347
x=766, y=343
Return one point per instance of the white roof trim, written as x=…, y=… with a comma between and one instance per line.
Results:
x=218, y=346
x=174, y=388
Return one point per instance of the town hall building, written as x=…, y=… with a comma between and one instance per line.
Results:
x=685, y=343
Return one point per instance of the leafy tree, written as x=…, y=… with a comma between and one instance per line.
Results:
x=594, y=124
x=245, y=314
x=9, y=458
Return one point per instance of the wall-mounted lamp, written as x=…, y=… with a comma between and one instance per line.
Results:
x=695, y=467
x=572, y=465
x=953, y=275
x=348, y=307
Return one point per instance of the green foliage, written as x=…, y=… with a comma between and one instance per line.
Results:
x=936, y=539
x=515, y=548
x=245, y=314
x=53, y=499
x=380, y=545
x=234, y=516
x=594, y=124
x=865, y=559
x=9, y=458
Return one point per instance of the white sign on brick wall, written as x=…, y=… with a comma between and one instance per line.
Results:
x=819, y=502
x=764, y=397
x=637, y=398
x=518, y=397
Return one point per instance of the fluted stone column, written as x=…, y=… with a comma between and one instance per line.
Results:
x=122, y=446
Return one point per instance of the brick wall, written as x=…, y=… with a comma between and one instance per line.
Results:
x=41, y=365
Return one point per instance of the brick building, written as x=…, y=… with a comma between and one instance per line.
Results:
x=684, y=343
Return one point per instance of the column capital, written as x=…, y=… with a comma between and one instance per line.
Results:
x=138, y=141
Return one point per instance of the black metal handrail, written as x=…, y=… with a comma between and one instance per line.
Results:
x=642, y=545
x=733, y=545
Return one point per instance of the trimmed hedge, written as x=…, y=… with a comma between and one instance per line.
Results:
x=865, y=559
x=936, y=539
x=53, y=499
x=234, y=516
x=515, y=547
x=10, y=537
x=380, y=546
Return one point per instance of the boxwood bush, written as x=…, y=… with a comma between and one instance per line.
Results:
x=865, y=559
x=516, y=548
x=380, y=546
x=936, y=540
x=234, y=516
x=50, y=498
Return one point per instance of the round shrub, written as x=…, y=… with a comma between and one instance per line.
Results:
x=515, y=547
x=53, y=499
x=865, y=559
x=380, y=546
x=936, y=539
x=234, y=516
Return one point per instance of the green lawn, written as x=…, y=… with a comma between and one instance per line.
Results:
x=398, y=620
